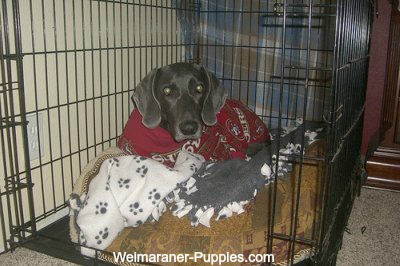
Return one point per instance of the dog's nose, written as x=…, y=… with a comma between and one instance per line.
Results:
x=188, y=127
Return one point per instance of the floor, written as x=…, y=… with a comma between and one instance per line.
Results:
x=373, y=239
x=374, y=230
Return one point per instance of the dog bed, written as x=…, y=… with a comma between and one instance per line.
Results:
x=240, y=234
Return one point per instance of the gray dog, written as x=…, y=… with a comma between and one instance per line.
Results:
x=181, y=98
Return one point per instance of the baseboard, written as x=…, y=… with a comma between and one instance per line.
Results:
x=383, y=169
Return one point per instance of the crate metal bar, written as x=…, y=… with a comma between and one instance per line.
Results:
x=257, y=60
x=2, y=220
x=68, y=104
x=5, y=133
x=122, y=47
x=60, y=133
x=92, y=65
x=330, y=129
x=233, y=52
x=272, y=206
x=114, y=38
x=35, y=88
x=241, y=50
x=306, y=88
x=10, y=132
x=290, y=238
x=47, y=99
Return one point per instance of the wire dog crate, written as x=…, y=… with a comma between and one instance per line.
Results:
x=68, y=69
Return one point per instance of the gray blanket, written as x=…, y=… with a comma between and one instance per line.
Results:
x=225, y=187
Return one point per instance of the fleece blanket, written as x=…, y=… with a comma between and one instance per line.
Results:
x=128, y=191
x=223, y=188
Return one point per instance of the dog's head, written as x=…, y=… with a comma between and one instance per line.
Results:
x=180, y=98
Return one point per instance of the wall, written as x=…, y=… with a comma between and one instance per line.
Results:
x=376, y=74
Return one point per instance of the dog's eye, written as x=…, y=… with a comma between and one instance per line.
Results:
x=199, y=88
x=167, y=91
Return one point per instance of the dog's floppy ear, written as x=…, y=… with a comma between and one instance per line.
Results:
x=146, y=102
x=214, y=101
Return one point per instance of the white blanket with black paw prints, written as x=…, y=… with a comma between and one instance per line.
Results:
x=127, y=191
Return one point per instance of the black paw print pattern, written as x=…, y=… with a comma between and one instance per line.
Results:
x=102, y=235
x=82, y=240
x=153, y=196
x=193, y=167
x=134, y=208
x=142, y=170
x=86, y=202
x=101, y=208
x=113, y=161
x=140, y=159
x=108, y=184
x=124, y=182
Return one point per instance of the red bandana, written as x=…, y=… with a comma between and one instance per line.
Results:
x=237, y=126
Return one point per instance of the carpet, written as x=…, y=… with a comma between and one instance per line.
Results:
x=374, y=230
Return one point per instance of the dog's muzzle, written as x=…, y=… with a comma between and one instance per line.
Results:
x=189, y=127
